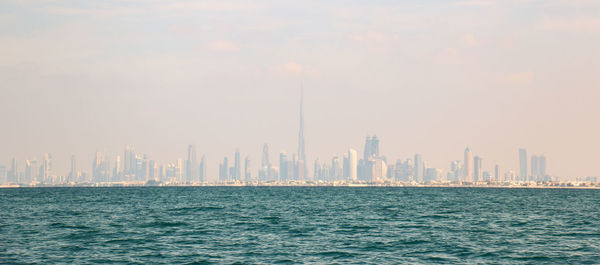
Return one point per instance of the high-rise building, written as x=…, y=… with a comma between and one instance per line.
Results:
x=73, y=176
x=478, y=169
x=542, y=166
x=335, y=173
x=432, y=174
x=523, y=164
x=13, y=173
x=455, y=170
x=191, y=165
x=352, y=165
x=129, y=163
x=153, y=171
x=535, y=167
x=224, y=170
x=497, y=173
x=46, y=169
x=100, y=168
x=285, y=167
x=265, y=156
x=377, y=170
x=178, y=174
x=31, y=172
x=468, y=166
x=247, y=169
x=301, y=167
x=237, y=166
x=419, y=168
x=3, y=174
x=371, y=147
x=202, y=170
x=117, y=170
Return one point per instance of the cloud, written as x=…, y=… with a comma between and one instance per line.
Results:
x=294, y=68
x=477, y=3
x=373, y=36
x=223, y=46
x=572, y=3
x=577, y=24
x=207, y=6
x=448, y=56
x=469, y=40
x=516, y=78
x=159, y=7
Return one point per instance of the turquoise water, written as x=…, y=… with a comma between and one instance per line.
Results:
x=299, y=225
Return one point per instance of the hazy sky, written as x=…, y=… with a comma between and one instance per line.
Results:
x=429, y=77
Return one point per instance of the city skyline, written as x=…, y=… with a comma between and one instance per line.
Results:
x=80, y=77
x=373, y=167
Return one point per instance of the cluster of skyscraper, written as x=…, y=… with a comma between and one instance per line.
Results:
x=371, y=168
x=136, y=167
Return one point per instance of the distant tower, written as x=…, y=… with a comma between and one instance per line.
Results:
x=542, y=166
x=237, y=165
x=468, y=165
x=371, y=147
x=13, y=174
x=46, y=168
x=478, y=166
x=497, y=173
x=419, y=168
x=247, y=173
x=301, y=150
x=352, y=164
x=535, y=167
x=523, y=164
x=265, y=156
x=191, y=164
x=284, y=166
x=73, y=172
x=202, y=172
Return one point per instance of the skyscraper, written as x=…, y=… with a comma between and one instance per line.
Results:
x=523, y=164
x=117, y=170
x=542, y=166
x=3, y=174
x=265, y=156
x=247, y=169
x=535, y=167
x=371, y=147
x=352, y=164
x=191, y=164
x=224, y=170
x=129, y=163
x=31, y=172
x=468, y=166
x=13, y=174
x=46, y=168
x=284, y=166
x=301, y=171
x=73, y=172
x=478, y=168
x=419, y=168
x=497, y=173
x=202, y=173
x=237, y=166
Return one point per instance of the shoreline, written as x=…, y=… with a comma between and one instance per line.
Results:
x=592, y=186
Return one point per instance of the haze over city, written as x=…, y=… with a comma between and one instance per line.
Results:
x=427, y=77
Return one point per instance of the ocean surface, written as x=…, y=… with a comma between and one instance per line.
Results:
x=290, y=225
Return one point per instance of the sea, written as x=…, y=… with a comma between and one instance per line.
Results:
x=299, y=225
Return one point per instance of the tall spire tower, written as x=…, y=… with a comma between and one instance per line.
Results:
x=301, y=152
